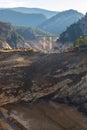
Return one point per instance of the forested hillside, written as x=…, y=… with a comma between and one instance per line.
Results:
x=75, y=31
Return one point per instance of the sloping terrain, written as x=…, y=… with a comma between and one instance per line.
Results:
x=30, y=33
x=9, y=38
x=47, y=13
x=59, y=23
x=21, y=19
x=27, y=77
x=20, y=37
x=35, y=37
x=75, y=31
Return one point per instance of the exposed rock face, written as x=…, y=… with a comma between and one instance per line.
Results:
x=43, y=115
x=26, y=76
x=4, y=44
x=9, y=38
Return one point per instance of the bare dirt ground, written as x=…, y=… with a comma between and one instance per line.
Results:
x=29, y=76
x=47, y=116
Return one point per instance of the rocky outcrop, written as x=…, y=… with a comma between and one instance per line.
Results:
x=10, y=38
x=4, y=45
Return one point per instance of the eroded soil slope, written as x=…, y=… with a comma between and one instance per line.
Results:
x=28, y=76
x=62, y=77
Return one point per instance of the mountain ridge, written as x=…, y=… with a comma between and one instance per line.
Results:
x=21, y=19
x=58, y=23
x=47, y=13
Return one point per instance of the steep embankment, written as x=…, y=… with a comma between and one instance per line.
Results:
x=28, y=76
x=9, y=38
x=74, y=32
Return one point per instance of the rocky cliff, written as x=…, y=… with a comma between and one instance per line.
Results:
x=10, y=38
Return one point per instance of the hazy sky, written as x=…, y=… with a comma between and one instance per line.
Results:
x=80, y=5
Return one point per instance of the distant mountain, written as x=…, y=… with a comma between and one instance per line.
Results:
x=75, y=31
x=10, y=38
x=47, y=13
x=20, y=37
x=58, y=23
x=21, y=19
